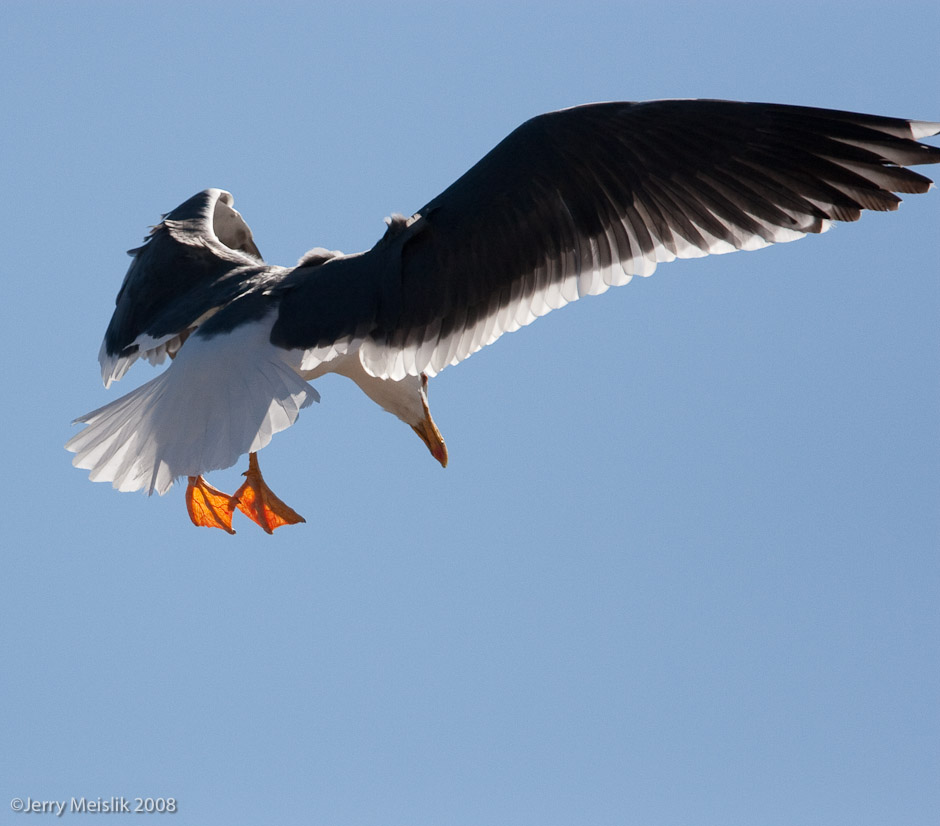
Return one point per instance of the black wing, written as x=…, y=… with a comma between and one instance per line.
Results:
x=196, y=260
x=578, y=200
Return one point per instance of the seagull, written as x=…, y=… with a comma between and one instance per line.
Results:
x=571, y=203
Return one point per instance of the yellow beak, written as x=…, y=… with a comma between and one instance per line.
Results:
x=431, y=436
x=427, y=430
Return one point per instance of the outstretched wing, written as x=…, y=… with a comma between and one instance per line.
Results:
x=196, y=260
x=576, y=201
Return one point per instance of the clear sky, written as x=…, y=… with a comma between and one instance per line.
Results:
x=683, y=567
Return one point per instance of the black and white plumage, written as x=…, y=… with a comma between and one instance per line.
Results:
x=569, y=204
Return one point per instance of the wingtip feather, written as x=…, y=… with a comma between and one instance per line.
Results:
x=924, y=129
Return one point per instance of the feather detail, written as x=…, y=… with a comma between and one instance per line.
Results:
x=222, y=397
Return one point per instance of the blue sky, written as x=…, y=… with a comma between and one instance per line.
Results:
x=683, y=566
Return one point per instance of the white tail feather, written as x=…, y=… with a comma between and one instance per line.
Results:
x=221, y=398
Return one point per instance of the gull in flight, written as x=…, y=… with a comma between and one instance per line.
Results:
x=570, y=204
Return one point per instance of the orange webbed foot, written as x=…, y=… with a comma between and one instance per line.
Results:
x=258, y=502
x=208, y=507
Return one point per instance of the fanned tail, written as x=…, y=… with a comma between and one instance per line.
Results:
x=222, y=397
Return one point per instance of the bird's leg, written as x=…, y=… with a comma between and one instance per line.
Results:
x=208, y=507
x=258, y=502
